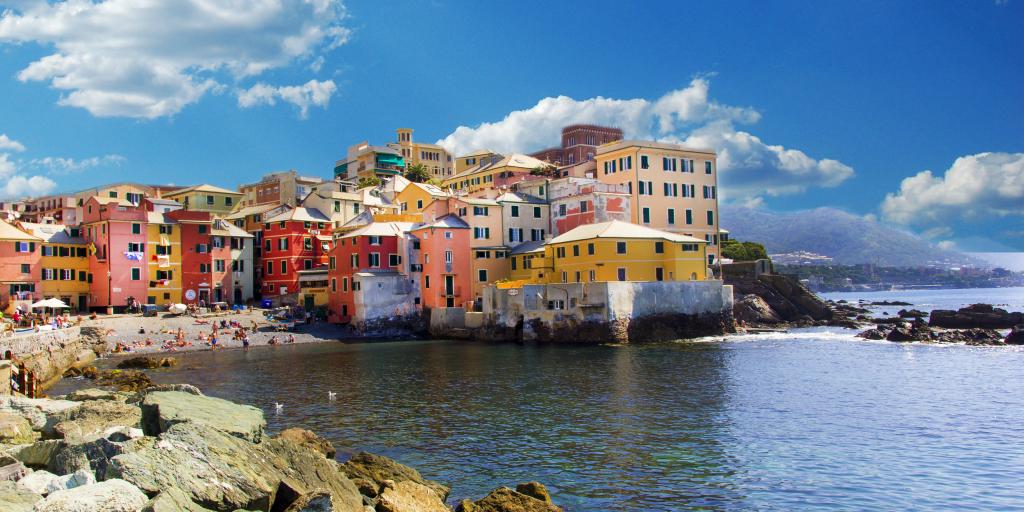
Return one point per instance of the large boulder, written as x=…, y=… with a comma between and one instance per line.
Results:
x=38, y=482
x=109, y=496
x=124, y=380
x=40, y=453
x=504, y=499
x=976, y=315
x=36, y=410
x=536, y=490
x=376, y=469
x=94, y=417
x=95, y=456
x=309, y=439
x=409, y=496
x=163, y=409
x=14, y=498
x=15, y=429
x=1016, y=336
x=172, y=500
x=753, y=310
x=84, y=395
x=224, y=472
x=147, y=362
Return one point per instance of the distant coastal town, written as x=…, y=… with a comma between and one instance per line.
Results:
x=397, y=230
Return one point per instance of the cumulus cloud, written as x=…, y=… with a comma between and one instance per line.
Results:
x=311, y=93
x=974, y=188
x=9, y=144
x=151, y=58
x=750, y=168
x=21, y=186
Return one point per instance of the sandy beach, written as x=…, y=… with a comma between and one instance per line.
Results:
x=161, y=329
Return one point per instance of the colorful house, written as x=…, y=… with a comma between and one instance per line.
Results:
x=63, y=264
x=484, y=217
x=366, y=161
x=435, y=158
x=295, y=240
x=444, y=249
x=19, y=265
x=206, y=198
x=236, y=248
x=491, y=174
x=164, y=249
x=371, y=249
x=116, y=231
x=620, y=251
x=416, y=196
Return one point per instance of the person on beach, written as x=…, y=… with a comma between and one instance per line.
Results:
x=245, y=342
x=273, y=340
x=291, y=339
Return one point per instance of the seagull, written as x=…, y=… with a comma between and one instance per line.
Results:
x=278, y=407
x=331, y=395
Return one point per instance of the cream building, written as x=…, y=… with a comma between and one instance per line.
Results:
x=436, y=159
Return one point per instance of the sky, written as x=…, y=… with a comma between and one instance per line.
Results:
x=908, y=113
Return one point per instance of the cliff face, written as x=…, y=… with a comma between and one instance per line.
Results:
x=787, y=298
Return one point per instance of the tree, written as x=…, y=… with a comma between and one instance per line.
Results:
x=371, y=181
x=743, y=251
x=417, y=173
x=546, y=170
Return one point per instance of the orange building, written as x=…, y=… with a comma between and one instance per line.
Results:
x=446, y=260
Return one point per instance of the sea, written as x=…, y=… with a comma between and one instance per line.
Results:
x=810, y=419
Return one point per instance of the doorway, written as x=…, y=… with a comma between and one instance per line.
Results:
x=83, y=303
x=308, y=303
x=238, y=295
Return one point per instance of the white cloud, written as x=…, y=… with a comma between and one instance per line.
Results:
x=7, y=167
x=312, y=93
x=946, y=245
x=750, y=167
x=151, y=58
x=21, y=186
x=974, y=188
x=7, y=143
x=62, y=166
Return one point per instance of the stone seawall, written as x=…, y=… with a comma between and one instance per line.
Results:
x=48, y=354
x=614, y=312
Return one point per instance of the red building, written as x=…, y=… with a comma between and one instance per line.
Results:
x=374, y=247
x=579, y=144
x=294, y=240
x=447, y=269
x=196, y=256
x=116, y=231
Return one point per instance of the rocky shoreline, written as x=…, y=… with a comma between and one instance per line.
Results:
x=171, y=448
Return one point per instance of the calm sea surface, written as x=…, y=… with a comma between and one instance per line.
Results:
x=814, y=419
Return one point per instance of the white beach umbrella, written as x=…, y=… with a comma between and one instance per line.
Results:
x=53, y=303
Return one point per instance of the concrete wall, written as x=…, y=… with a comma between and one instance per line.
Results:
x=608, y=311
x=49, y=353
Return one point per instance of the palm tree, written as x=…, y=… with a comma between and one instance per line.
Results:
x=417, y=173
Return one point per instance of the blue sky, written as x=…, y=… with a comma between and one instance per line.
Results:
x=835, y=106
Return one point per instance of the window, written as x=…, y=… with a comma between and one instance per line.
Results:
x=284, y=266
x=307, y=244
x=536, y=235
x=536, y=212
x=374, y=259
x=355, y=208
x=337, y=207
x=711, y=218
x=394, y=260
x=82, y=275
x=419, y=204
x=268, y=245
x=480, y=255
x=515, y=234
x=136, y=228
x=282, y=244
x=112, y=193
x=585, y=206
x=344, y=284
x=448, y=256
x=659, y=248
x=135, y=247
x=576, y=250
x=479, y=233
x=227, y=201
x=590, y=249
x=560, y=252
x=209, y=199
x=24, y=246
x=620, y=247
x=513, y=263
x=136, y=273
x=202, y=230
x=707, y=167
x=561, y=210
x=482, y=275
x=644, y=164
x=515, y=211
x=26, y=268
x=218, y=242
x=565, y=277
x=334, y=284
x=689, y=216
x=353, y=261
x=426, y=281
x=202, y=249
x=165, y=229
x=622, y=274
x=593, y=276
x=270, y=268
x=647, y=215
x=671, y=215
x=659, y=274
x=218, y=265
x=480, y=211
x=448, y=235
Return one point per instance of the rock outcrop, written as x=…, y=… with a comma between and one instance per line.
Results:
x=919, y=331
x=147, y=362
x=976, y=316
x=91, y=419
x=787, y=297
x=108, y=496
x=308, y=439
x=753, y=310
x=15, y=498
x=163, y=409
x=504, y=499
x=1016, y=336
x=370, y=473
x=409, y=496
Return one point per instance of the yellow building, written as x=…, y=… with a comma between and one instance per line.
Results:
x=206, y=198
x=614, y=251
x=520, y=261
x=672, y=187
x=474, y=159
x=494, y=173
x=313, y=290
x=163, y=249
x=416, y=196
x=63, y=264
x=435, y=158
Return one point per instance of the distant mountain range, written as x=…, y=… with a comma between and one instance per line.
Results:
x=846, y=238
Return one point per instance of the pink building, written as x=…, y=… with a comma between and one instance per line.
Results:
x=116, y=231
x=447, y=268
x=19, y=264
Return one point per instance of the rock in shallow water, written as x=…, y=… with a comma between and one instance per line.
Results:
x=504, y=499
x=163, y=409
x=109, y=496
x=310, y=439
x=377, y=469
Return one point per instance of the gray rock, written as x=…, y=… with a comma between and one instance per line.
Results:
x=121, y=434
x=93, y=455
x=184, y=388
x=39, y=482
x=15, y=429
x=40, y=453
x=93, y=418
x=753, y=310
x=109, y=496
x=84, y=395
x=163, y=409
x=172, y=500
x=409, y=496
x=1016, y=336
x=17, y=499
x=307, y=470
x=377, y=469
x=36, y=410
x=70, y=481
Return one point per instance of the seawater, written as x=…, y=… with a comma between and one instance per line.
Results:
x=813, y=419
